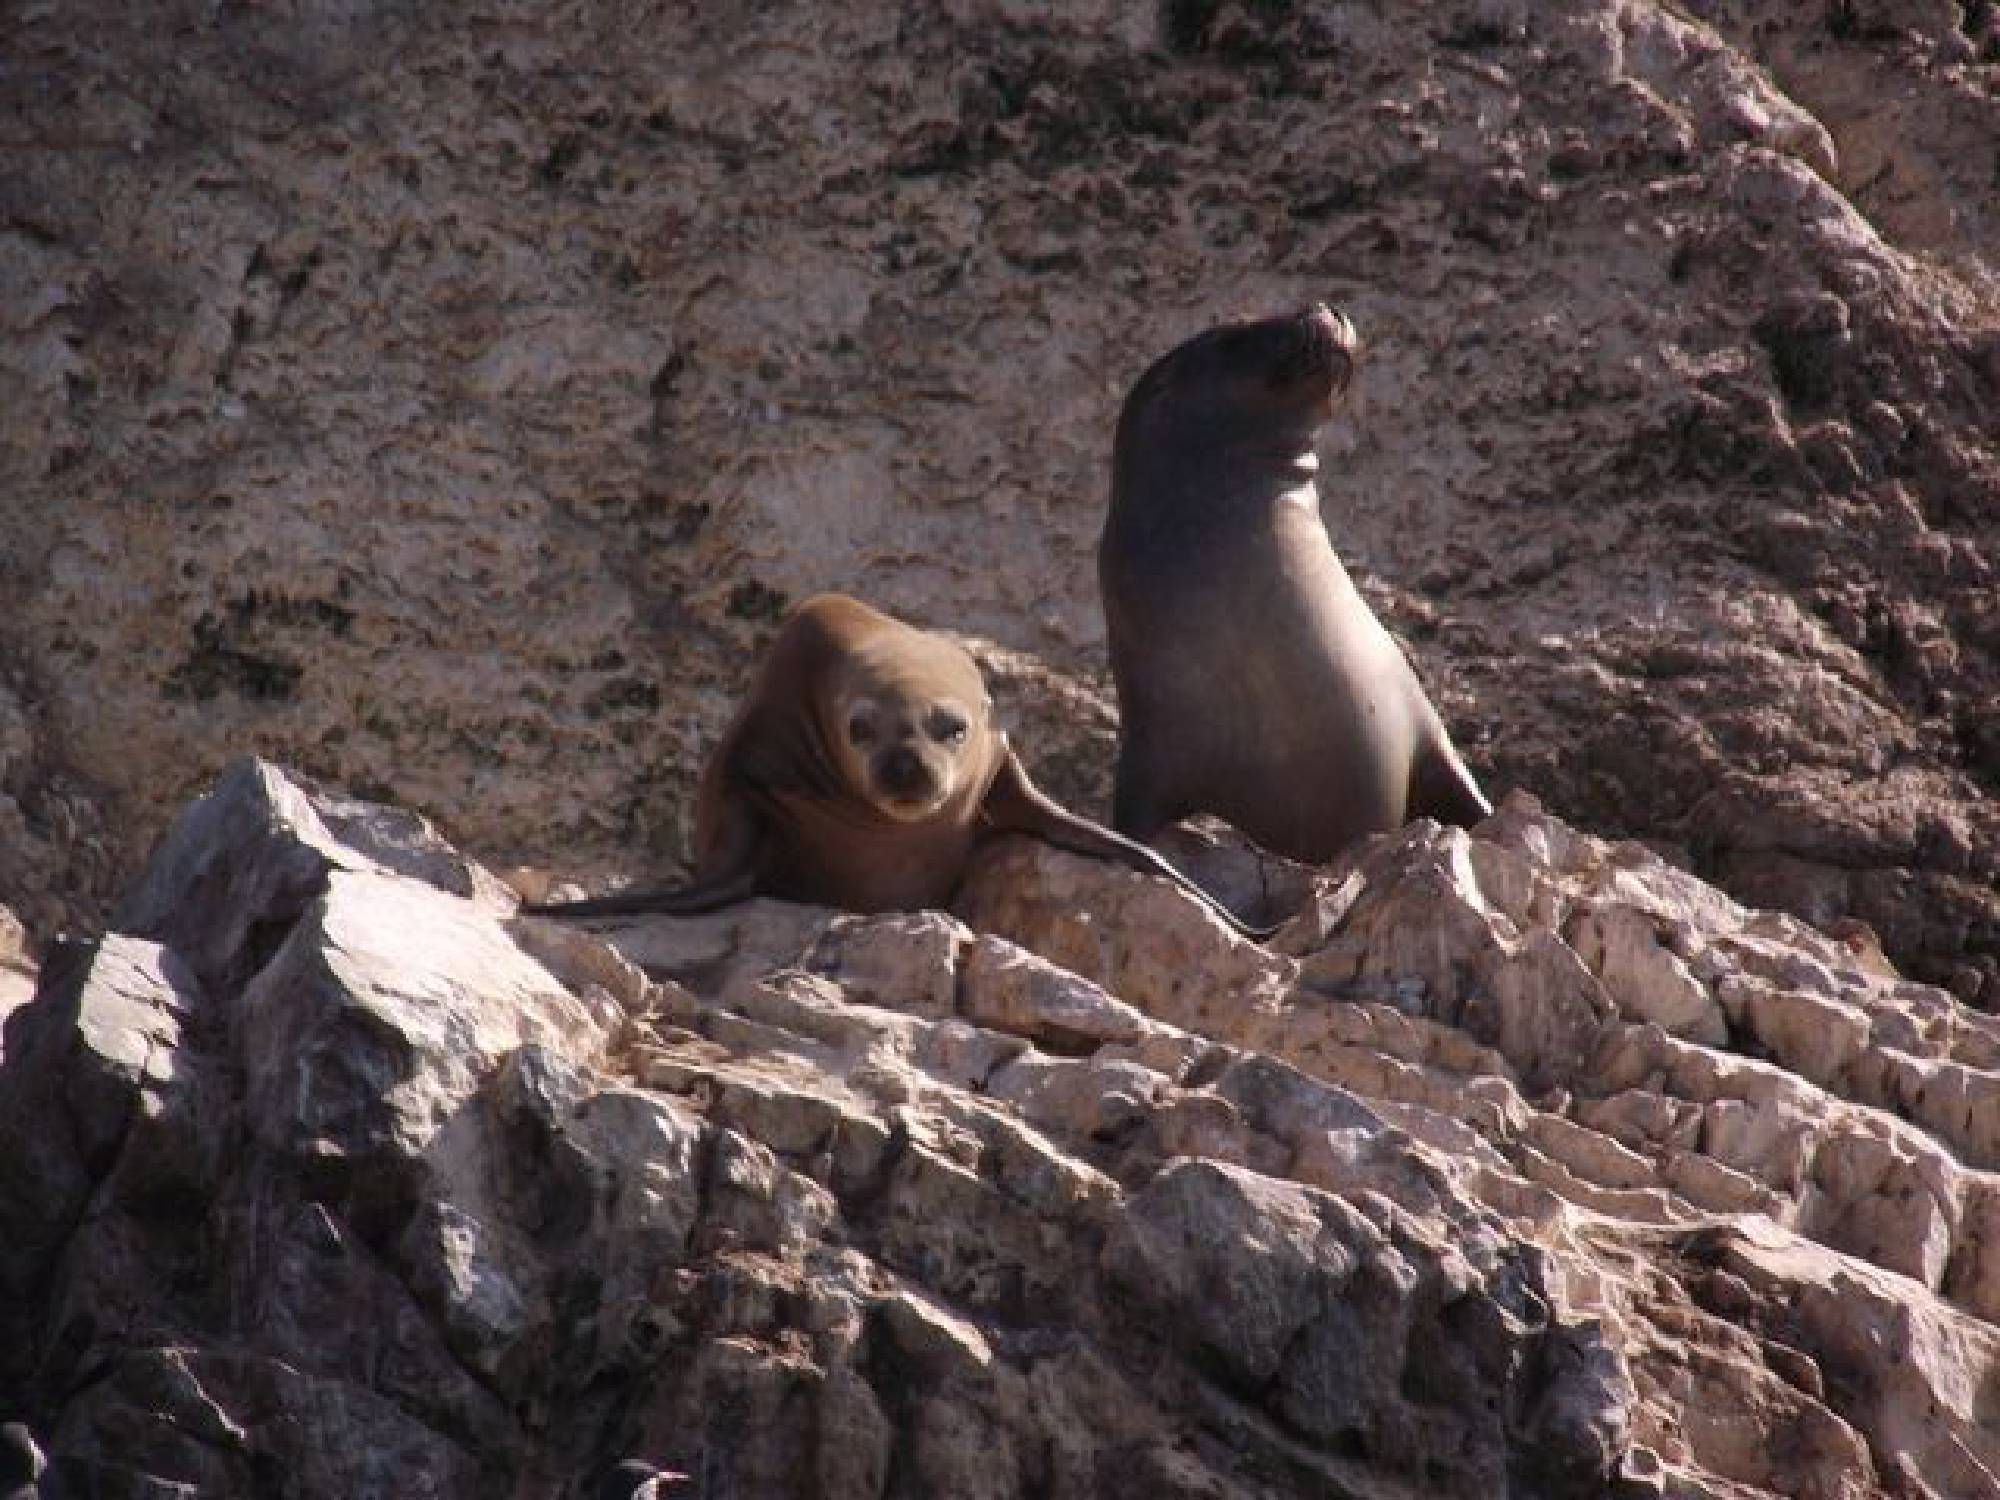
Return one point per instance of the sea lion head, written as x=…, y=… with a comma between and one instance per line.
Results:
x=1268, y=384
x=911, y=725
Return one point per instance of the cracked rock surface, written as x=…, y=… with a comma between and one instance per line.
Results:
x=1521, y=1163
x=446, y=401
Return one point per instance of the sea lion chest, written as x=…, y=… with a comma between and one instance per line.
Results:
x=1280, y=702
x=1322, y=684
x=839, y=852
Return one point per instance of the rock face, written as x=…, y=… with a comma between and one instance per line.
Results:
x=447, y=402
x=1529, y=1166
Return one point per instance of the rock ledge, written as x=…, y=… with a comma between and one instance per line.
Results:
x=1531, y=1166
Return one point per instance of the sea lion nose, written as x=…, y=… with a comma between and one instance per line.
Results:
x=1335, y=345
x=1335, y=326
x=901, y=772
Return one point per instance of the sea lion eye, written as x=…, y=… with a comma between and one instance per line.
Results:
x=947, y=727
x=860, y=728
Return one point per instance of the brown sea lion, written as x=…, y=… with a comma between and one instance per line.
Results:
x=1253, y=681
x=861, y=771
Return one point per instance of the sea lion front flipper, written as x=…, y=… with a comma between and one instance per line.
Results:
x=1442, y=787
x=1014, y=804
x=728, y=874
x=1139, y=806
x=708, y=894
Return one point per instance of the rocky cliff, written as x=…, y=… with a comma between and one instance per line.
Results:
x=1521, y=1164
x=446, y=399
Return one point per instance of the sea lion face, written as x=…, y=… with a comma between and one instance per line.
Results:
x=910, y=740
x=1279, y=378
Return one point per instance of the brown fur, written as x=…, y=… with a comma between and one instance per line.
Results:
x=861, y=772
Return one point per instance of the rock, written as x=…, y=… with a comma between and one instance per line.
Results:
x=169, y=1411
x=909, y=960
x=370, y=1026
x=1008, y=989
x=1469, y=1193
x=1645, y=977
x=252, y=851
x=97, y=1097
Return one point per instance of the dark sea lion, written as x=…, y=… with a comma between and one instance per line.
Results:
x=1253, y=681
x=861, y=772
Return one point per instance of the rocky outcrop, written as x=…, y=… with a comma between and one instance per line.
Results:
x=447, y=402
x=1520, y=1164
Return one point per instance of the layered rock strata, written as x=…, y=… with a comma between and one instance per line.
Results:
x=1521, y=1164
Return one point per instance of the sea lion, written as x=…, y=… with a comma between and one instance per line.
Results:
x=1253, y=681
x=861, y=771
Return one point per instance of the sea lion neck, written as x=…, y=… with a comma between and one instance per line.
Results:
x=1190, y=482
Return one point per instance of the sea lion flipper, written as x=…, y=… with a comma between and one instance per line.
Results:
x=727, y=875
x=711, y=893
x=1442, y=787
x=1014, y=804
x=1138, y=809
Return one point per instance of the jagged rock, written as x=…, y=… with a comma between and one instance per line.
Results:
x=254, y=852
x=374, y=393
x=101, y=1100
x=1465, y=1193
